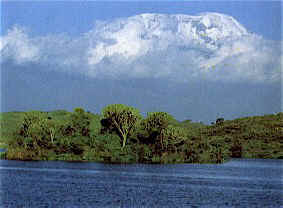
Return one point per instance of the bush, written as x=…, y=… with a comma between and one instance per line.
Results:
x=191, y=151
x=71, y=145
x=144, y=153
x=19, y=153
x=91, y=154
x=172, y=158
x=219, y=121
x=2, y=155
x=109, y=149
x=218, y=149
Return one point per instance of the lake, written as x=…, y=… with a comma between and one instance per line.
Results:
x=237, y=183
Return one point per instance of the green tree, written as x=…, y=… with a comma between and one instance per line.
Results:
x=171, y=137
x=155, y=123
x=38, y=130
x=29, y=119
x=219, y=121
x=79, y=124
x=122, y=118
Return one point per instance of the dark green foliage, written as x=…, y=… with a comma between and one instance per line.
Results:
x=236, y=149
x=122, y=118
x=108, y=147
x=172, y=158
x=191, y=152
x=219, y=121
x=156, y=121
x=79, y=123
x=144, y=153
x=120, y=136
x=218, y=149
x=72, y=145
x=29, y=119
x=171, y=138
x=252, y=137
x=154, y=124
x=2, y=155
x=37, y=130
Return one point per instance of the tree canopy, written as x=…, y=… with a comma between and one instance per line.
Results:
x=122, y=118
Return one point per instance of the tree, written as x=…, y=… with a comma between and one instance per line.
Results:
x=155, y=122
x=29, y=119
x=220, y=121
x=122, y=118
x=171, y=137
x=78, y=124
x=38, y=130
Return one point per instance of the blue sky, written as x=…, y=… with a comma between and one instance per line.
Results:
x=54, y=55
x=261, y=17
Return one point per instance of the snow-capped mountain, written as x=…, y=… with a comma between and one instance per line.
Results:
x=206, y=27
x=142, y=33
x=176, y=46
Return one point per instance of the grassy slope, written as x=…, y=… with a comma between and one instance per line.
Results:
x=9, y=122
x=12, y=120
x=260, y=136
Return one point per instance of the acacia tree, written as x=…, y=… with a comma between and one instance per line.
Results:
x=80, y=122
x=171, y=137
x=156, y=122
x=122, y=118
x=38, y=129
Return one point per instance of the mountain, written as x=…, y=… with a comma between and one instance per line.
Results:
x=177, y=47
x=140, y=34
x=197, y=67
x=205, y=28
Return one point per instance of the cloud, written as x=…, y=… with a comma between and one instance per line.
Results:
x=208, y=46
x=18, y=46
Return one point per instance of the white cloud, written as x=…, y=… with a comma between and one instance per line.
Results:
x=178, y=47
x=18, y=46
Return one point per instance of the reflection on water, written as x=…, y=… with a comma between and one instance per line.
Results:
x=238, y=183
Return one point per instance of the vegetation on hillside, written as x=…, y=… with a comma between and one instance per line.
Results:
x=122, y=135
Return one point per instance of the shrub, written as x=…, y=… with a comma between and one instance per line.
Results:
x=172, y=158
x=218, y=149
x=71, y=145
x=2, y=155
x=144, y=153
x=20, y=153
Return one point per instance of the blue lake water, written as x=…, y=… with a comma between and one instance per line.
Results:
x=238, y=183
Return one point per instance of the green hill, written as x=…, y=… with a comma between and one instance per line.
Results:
x=187, y=141
x=259, y=136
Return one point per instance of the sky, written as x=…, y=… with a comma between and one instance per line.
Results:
x=74, y=18
x=62, y=55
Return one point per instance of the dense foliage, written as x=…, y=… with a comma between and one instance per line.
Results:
x=122, y=118
x=122, y=135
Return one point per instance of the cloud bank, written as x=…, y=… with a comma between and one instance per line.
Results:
x=208, y=46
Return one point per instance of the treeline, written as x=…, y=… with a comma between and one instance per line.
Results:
x=122, y=135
